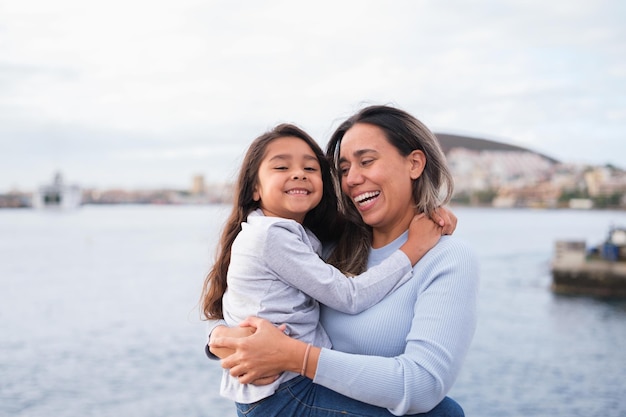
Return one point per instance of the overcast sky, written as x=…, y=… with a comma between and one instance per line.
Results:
x=148, y=93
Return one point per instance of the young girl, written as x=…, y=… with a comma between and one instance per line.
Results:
x=268, y=261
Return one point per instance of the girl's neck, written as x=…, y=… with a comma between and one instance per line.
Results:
x=268, y=213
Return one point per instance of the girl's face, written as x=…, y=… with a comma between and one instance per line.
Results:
x=289, y=179
x=377, y=178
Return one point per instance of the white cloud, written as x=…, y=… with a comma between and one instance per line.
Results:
x=172, y=79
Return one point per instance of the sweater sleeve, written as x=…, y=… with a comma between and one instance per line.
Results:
x=294, y=262
x=440, y=334
x=211, y=325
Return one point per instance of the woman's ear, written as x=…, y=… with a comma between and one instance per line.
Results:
x=417, y=159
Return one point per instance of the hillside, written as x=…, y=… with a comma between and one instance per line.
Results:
x=449, y=141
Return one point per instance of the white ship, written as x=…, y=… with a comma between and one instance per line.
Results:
x=58, y=195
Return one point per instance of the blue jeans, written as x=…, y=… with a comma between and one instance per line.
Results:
x=300, y=397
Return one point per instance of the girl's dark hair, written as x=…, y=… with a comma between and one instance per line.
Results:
x=431, y=190
x=322, y=220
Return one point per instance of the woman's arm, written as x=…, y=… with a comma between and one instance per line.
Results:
x=413, y=382
x=268, y=351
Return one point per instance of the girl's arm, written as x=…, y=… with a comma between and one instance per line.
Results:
x=268, y=351
x=424, y=233
x=296, y=264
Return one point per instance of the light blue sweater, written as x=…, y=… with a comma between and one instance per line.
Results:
x=276, y=273
x=405, y=352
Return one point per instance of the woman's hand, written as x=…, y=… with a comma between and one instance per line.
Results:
x=444, y=218
x=262, y=356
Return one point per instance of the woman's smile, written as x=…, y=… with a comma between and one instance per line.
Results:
x=367, y=199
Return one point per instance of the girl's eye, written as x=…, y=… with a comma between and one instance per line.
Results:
x=312, y=169
x=280, y=168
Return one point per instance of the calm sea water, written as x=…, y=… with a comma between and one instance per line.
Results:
x=98, y=316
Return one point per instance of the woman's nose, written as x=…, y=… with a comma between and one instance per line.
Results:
x=353, y=176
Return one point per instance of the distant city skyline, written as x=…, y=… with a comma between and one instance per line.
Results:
x=138, y=94
x=458, y=148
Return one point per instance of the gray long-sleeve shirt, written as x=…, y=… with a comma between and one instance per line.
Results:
x=276, y=273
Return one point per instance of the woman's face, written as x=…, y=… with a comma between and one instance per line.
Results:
x=377, y=178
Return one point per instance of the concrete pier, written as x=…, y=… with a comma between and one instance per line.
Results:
x=577, y=272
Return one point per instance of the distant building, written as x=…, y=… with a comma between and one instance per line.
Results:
x=198, y=186
x=15, y=199
x=580, y=203
x=604, y=182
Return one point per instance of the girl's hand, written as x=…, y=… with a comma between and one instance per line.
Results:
x=260, y=357
x=224, y=331
x=424, y=233
x=446, y=219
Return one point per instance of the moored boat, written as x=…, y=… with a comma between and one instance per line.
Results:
x=57, y=195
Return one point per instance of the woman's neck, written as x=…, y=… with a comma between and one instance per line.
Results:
x=382, y=236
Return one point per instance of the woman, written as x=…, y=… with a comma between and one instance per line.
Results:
x=404, y=353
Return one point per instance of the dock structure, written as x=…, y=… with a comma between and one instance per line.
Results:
x=599, y=272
